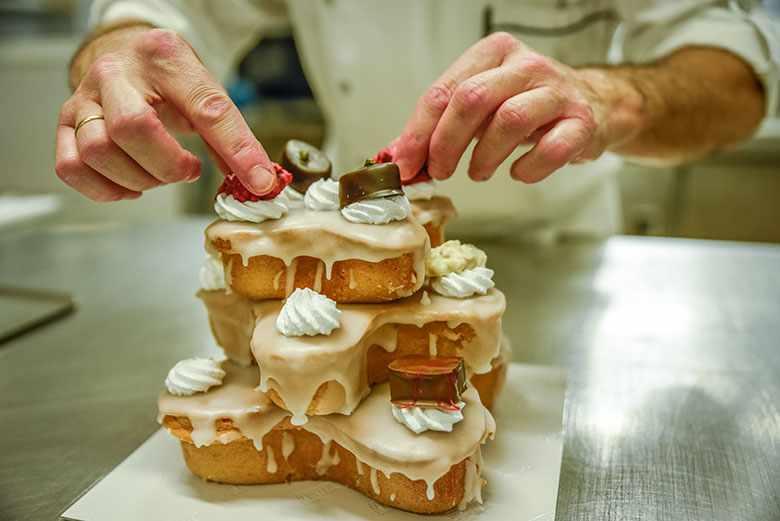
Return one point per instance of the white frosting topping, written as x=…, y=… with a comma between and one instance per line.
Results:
x=322, y=195
x=194, y=375
x=212, y=273
x=464, y=284
x=420, y=191
x=453, y=257
x=293, y=197
x=378, y=211
x=420, y=419
x=306, y=312
x=230, y=209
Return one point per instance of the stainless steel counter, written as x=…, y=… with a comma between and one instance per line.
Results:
x=673, y=348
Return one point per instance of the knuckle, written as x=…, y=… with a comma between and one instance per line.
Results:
x=129, y=124
x=503, y=41
x=537, y=66
x=512, y=117
x=209, y=105
x=160, y=45
x=437, y=97
x=470, y=95
x=95, y=150
x=105, y=68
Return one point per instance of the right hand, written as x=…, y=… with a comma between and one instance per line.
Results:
x=146, y=83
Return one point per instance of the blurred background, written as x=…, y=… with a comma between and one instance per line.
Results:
x=733, y=196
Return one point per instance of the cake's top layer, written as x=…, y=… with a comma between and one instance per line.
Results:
x=323, y=235
x=370, y=433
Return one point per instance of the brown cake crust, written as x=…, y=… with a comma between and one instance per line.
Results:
x=352, y=280
x=240, y=463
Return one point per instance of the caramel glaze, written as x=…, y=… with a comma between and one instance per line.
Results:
x=294, y=368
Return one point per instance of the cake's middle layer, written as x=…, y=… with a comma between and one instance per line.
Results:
x=331, y=374
x=346, y=261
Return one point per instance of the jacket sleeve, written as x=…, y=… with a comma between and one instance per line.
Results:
x=220, y=32
x=653, y=29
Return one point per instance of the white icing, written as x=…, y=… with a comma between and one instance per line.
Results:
x=420, y=191
x=292, y=197
x=378, y=211
x=421, y=419
x=327, y=459
x=270, y=461
x=212, y=273
x=322, y=196
x=230, y=209
x=288, y=444
x=194, y=375
x=464, y=284
x=306, y=312
x=374, y=481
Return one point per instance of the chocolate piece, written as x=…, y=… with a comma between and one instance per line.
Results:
x=370, y=182
x=419, y=380
x=306, y=163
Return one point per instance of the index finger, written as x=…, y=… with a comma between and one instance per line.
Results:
x=215, y=117
x=412, y=147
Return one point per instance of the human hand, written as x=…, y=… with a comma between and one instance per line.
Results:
x=138, y=85
x=504, y=94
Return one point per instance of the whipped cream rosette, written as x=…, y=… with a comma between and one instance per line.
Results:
x=194, y=375
x=458, y=270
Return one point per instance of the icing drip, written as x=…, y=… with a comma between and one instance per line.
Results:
x=277, y=280
x=430, y=493
x=464, y=284
x=472, y=487
x=420, y=191
x=359, y=466
x=325, y=236
x=421, y=419
x=322, y=195
x=306, y=312
x=425, y=299
x=212, y=273
x=318, y=277
x=392, y=496
x=232, y=321
x=230, y=209
x=374, y=481
x=289, y=277
x=194, y=375
x=327, y=459
x=432, y=340
x=299, y=419
x=378, y=211
x=288, y=444
x=270, y=461
x=370, y=433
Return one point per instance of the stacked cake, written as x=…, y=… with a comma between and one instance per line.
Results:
x=356, y=352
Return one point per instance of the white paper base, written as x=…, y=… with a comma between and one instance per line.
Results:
x=521, y=466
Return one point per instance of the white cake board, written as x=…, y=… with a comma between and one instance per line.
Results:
x=522, y=466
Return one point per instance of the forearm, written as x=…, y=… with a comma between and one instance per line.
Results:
x=694, y=102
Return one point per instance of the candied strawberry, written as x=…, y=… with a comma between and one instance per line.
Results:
x=233, y=186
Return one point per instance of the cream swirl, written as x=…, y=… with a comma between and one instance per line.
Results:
x=420, y=191
x=378, y=211
x=212, y=273
x=464, y=284
x=306, y=312
x=322, y=196
x=420, y=419
x=231, y=209
x=194, y=375
x=293, y=197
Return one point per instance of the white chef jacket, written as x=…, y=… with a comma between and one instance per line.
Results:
x=369, y=60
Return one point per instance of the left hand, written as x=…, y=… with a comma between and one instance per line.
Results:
x=504, y=94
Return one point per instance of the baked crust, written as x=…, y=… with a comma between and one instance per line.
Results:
x=240, y=463
x=352, y=280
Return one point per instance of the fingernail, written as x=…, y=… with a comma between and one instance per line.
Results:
x=260, y=180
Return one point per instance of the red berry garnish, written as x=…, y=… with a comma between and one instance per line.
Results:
x=383, y=156
x=233, y=186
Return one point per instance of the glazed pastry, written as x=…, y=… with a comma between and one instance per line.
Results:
x=338, y=368
x=234, y=434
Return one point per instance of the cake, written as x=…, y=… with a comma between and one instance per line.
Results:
x=354, y=350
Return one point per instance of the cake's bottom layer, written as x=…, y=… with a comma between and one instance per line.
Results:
x=435, y=233
x=296, y=455
x=353, y=280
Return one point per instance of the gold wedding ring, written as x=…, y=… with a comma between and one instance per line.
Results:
x=85, y=121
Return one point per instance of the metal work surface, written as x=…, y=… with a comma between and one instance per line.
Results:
x=673, y=348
